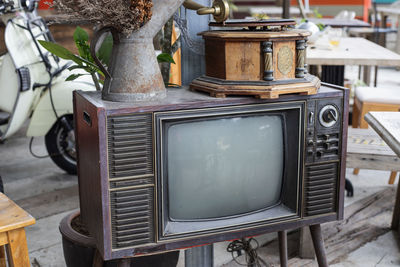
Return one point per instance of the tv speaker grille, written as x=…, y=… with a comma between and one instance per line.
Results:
x=130, y=145
x=131, y=179
x=320, y=189
x=132, y=217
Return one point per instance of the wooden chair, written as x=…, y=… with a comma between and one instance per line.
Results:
x=368, y=99
x=13, y=221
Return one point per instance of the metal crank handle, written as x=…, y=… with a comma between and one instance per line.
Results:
x=219, y=9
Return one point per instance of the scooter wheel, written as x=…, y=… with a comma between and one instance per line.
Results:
x=60, y=144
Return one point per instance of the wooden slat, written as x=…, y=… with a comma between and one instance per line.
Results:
x=366, y=150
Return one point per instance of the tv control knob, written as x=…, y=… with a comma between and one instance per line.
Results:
x=310, y=152
x=328, y=116
x=310, y=142
x=320, y=153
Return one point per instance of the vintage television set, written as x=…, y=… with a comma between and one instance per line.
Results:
x=191, y=169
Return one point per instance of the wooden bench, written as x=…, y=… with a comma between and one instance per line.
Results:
x=13, y=221
x=366, y=150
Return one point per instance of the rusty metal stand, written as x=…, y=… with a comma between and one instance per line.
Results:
x=319, y=247
x=283, y=254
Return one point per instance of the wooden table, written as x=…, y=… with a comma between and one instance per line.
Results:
x=387, y=125
x=353, y=51
x=340, y=23
x=275, y=11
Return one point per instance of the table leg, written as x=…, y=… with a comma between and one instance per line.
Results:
x=396, y=211
x=319, y=247
x=375, y=76
x=283, y=253
x=17, y=248
x=398, y=36
x=3, y=257
x=367, y=75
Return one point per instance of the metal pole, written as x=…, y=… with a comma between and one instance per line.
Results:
x=319, y=247
x=200, y=256
x=286, y=9
x=283, y=253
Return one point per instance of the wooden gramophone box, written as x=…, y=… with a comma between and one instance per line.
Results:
x=265, y=62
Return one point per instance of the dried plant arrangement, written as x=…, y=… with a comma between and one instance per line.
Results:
x=124, y=15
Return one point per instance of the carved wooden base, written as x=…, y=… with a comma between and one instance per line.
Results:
x=260, y=89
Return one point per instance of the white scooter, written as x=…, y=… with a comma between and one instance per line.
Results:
x=32, y=84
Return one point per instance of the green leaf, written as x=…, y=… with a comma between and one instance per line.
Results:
x=73, y=77
x=321, y=26
x=81, y=38
x=57, y=50
x=74, y=67
x=79, y=60
x=164, y=57
x=104, y=53
x=64, y=53
x=80, y=35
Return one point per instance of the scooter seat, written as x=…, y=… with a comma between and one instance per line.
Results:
x=4, y=117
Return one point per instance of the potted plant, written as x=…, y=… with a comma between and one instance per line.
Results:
x=133, y=72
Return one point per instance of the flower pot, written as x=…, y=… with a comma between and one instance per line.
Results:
x=79, y=249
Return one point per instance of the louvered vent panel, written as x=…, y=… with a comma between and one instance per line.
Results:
x=130, y=145
x=320, y=189
x=131, y=178
x=132, y=217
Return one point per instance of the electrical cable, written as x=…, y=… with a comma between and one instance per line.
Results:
x=33, y=154
x=252, y=259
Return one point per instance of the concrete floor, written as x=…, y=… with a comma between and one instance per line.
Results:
x=49, y=194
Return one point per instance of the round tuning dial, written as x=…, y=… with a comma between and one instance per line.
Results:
x=328, y=116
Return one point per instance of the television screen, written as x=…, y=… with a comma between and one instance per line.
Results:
x=224, y=167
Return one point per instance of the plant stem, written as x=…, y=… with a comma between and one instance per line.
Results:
x=96, y=81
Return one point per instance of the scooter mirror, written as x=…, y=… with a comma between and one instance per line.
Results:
x=28, y=5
